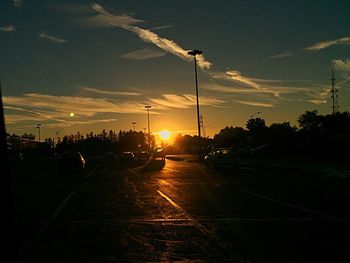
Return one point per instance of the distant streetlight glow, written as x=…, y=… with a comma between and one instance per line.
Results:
x=71, y=114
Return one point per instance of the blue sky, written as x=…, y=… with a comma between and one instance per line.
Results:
x=105, y=60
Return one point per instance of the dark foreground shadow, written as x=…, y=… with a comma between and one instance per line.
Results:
x=154, y=165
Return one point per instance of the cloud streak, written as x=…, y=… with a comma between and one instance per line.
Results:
x=256, y=103
x=328, y=43
x=108, y=92
x=342, y=65
x=35, y=106
x=143, y=54
x=8, y=28
x=183, y=102
x=50, y=37
x=257, y=88
x=103, y=18
x=313, y=48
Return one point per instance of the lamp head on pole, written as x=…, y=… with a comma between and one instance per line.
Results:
x=194, y=52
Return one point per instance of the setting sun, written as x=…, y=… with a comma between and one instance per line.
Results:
x=164, y=134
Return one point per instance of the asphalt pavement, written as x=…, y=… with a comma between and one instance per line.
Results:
x=183, y=211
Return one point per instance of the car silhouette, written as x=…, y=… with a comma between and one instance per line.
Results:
x=159, y=154
x=220, y=156
x=71, y=161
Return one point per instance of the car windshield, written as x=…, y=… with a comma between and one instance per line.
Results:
x=175, y=131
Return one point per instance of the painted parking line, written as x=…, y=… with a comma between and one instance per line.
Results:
x=206, y=232
x=296, y=207
x=90, y=173
x=43, y=229
x=98, y=165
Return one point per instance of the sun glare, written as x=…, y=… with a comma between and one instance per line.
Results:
x=164, y=134
x=71, y=114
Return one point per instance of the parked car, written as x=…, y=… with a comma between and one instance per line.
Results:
x=220, y=156
x=141, y=155
x=159, y=154
x=71, y=161
x=126, y=157
x=110, y=156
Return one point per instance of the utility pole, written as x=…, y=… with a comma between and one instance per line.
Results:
x=334, y=95
x=149, y=129
x=194, y=53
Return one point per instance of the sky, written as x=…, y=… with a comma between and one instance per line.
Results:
x=86, y=66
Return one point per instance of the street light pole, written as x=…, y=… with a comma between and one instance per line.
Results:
x=38, y=127
x=149, y=130
x=194, y=53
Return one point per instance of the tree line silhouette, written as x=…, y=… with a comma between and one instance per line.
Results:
x=323, y=137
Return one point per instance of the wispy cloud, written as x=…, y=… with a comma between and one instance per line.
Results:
x=161, y=27
x=342, y=65
x=318, y=102
x=8, y=28
x=256, y=103
x=328, y=43
x=50, y=37
x=67, y=124
x=143, y=54
x=258, y=89
x=284, y=54
x=17, y=3
x=104, y=18
x=57, y=109
x=313, y=48
x=61, y=106
x=183, y=102
x=108, y=92
x=271, y=92
x=15, y=118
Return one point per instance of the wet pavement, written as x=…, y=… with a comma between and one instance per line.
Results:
x=182, y=211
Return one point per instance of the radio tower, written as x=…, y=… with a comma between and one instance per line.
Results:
x=334, y=94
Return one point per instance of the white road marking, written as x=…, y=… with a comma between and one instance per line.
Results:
x=134, y=172
x=94, y=170
x=48, y=222
x=60, y=207
x=296, y=207
x=204, y=230
x=90, y=173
